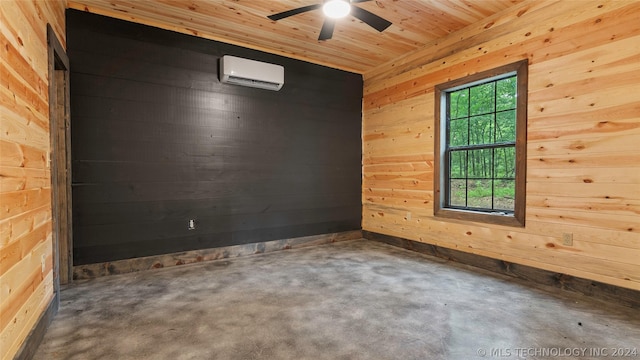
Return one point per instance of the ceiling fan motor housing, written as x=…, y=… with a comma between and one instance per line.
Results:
x=326, y=32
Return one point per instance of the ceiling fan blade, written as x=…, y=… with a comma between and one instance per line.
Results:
x=292, y=12
x=358, y=1
x=370, y=18
x=327, y=29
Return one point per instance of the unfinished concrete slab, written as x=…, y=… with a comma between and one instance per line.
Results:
x=350, y=300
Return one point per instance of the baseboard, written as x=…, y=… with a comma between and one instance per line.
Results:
x=90, y=271
x=34, y=339
x=590, y=288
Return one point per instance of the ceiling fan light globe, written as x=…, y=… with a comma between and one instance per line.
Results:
x=336, y=9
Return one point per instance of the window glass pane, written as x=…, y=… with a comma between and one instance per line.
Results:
x=506, y=126
x=482, y=97
x=459, y=104
x=479, y=194
x=479, y=164
x=506, y=94
x=457, y=162
x=481, y=130
x=458, y=132
x=457, y=193
x=505, y=194
x=504, y=163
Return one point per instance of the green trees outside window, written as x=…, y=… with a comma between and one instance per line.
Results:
x=481, y=139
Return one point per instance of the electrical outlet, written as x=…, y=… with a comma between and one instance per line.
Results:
x=191, y=225
x=567, y=239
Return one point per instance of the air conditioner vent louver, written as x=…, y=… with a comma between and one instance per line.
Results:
x=254, y=83
x=245, y=72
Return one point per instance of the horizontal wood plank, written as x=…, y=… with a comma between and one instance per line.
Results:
x=609, y=175
x=18, y=202
x=19, y=178
x=593, y=143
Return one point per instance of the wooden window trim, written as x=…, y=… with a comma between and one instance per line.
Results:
x=518, y=217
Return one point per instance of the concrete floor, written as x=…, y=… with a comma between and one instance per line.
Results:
x=349, y=300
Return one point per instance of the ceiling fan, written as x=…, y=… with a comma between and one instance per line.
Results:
x=335, y=9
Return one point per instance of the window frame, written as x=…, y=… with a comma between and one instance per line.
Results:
x=441, y=176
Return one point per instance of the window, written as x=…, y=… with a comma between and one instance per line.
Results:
x=480, y=147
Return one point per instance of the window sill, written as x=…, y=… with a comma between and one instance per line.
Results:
x=481, y=217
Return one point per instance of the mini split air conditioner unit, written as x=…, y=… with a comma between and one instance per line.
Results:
x=239, y=71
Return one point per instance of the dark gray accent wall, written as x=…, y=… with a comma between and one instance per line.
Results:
x=158, y=140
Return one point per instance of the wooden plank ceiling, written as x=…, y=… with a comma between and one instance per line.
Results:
x=355, y=46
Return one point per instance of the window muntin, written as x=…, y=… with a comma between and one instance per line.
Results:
x=480, y=150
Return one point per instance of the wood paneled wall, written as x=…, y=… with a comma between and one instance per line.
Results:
x=26, y=277
x=583, y=157
x=158, y=140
